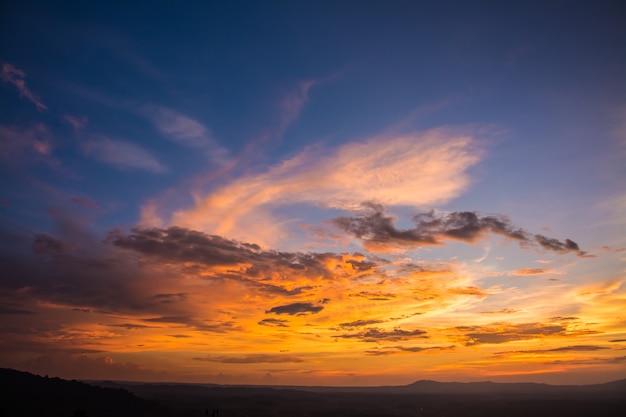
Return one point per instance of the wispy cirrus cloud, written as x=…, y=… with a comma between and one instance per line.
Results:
x=16, y=77
x=415, y=169
x=292, y=104
x=85, y=202
x=185, y=131
x=122, y=155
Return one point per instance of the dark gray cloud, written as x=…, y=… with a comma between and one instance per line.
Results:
x=176, y=244
x=377, y=335
x=132, y=326
x=296, y=309
x=170, y=298
x=192, y=322
x=6, y=310
x=376, y=227
x=395, y=350
x=557, y=246
x=360, y=323
x=257, y=358
x=273, y=322
x=123, y=274
x=45, y=244
x=184, y=245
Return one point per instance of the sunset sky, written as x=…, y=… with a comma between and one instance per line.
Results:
x=314, y=192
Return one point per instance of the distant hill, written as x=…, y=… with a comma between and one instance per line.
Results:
x=433, y=387
x=26, y=395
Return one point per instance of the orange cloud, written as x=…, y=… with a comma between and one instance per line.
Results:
x=384, y=169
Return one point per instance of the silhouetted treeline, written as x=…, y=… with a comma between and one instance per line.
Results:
x=23, y=394
x=26, y=395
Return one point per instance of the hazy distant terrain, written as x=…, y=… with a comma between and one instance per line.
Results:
x=24, y=394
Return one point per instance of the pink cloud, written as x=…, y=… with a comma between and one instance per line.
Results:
x=16, y=77
x=85, y=202
x=77, y=122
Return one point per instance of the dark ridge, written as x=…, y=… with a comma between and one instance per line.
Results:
x=23, y=394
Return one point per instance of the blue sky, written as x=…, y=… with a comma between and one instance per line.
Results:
x=142, y=138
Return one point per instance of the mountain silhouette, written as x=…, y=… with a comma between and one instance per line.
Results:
x=27, y=395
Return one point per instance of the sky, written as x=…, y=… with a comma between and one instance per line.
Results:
x=314, y=192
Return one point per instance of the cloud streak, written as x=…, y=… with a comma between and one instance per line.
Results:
x=16, y=76
x=185, y=131
x=248, y=359
x=414, y=169
x=122, y=155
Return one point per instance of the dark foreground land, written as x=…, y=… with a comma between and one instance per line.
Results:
x=24, y=394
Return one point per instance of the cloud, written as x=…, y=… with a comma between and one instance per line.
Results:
x=85, y=202
x=257, y=358
x=292, y=104
x=504, y=332
x=503, y=311
x=16, y=77
x=395, y=350
x=45, y=244
x=247, y=262
x=558, y=246
x=121, y=154
x=131, y=326
x=360, y=323
x=188, y=321
x=296, y=308
x=376, y=229
x=179, y=128
x=77, y=122
x=273, y=322
x=377, y=335
x=20, y=145
x=5, y=310
x=468, y=291
x=575, y=348
x=415, y=169
x=184, y=130
x=374, y=296
x=170, y=298
x=526, y=272
x=590, y=361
